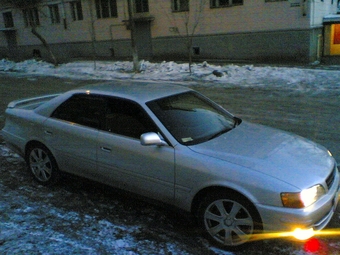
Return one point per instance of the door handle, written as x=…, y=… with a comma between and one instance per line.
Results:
x=105, y=149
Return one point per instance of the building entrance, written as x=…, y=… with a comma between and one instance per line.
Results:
x=335, y=39
x=143, y=39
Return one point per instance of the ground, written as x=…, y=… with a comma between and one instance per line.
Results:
x=78, y=216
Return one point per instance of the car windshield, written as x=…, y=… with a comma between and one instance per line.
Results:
x=192, y=118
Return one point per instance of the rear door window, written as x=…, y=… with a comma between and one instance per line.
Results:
x=86, y=110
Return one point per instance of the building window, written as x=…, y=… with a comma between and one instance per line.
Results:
x=276, y=1
x=106, y=8
x=31, y=17
x=180, y=5
x=8, y=19
x=224, y=3
x=336, y=39
x=54, y=14
x=76, y=10
x=141, y=6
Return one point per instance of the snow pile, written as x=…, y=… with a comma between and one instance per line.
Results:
x=28, y=66
x=225, y=75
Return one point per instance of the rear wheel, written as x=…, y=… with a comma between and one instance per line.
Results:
x=42, y=164
x=228, y=220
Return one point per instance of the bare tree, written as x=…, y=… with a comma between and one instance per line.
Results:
x=191, y=13
x=192, y=20
x=30, y=9
x=135, y=58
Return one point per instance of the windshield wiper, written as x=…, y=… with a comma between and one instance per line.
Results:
x=237, y=121
x=225, y=130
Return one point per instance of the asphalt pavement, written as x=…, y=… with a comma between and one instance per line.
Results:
x=82, y=216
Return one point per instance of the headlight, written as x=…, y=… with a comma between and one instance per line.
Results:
x=304, y=198
x=330, y=154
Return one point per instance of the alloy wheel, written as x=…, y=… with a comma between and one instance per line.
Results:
x=228, y=222
x=40, y=164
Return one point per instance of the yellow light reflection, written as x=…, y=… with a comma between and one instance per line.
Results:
x=299, y=234
x=303, y=234
x=328, y=232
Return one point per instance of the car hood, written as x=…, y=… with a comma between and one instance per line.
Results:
x=287, y=157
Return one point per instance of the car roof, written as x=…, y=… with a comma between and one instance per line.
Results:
x=141, y=92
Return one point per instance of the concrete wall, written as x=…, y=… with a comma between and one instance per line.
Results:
x=317, y=9
x=276, y=46
x=252, y=16
x=260, y=46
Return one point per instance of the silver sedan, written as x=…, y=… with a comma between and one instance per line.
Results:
x=172, y=144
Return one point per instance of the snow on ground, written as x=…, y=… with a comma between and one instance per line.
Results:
x=40, y=224
x=296, y=78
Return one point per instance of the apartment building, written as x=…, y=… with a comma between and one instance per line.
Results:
x=252, y=30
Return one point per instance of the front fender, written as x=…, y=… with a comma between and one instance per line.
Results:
x=196, y=174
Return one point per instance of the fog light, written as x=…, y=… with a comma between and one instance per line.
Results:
x=303, y=234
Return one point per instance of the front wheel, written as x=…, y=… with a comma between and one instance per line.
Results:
x=229, y=221
x=42, y=164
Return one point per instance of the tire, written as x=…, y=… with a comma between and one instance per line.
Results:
x=229, y=220
x=42, y=164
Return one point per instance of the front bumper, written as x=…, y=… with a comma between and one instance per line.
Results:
x=316, y=216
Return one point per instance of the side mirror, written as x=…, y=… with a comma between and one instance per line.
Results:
x=152, y=138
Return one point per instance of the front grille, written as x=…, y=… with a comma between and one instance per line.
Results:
x=330, y=179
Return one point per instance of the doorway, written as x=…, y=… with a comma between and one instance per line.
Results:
x=335, y=39
x=143, y=39
x=12, y=44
